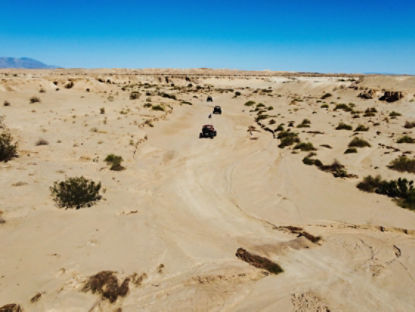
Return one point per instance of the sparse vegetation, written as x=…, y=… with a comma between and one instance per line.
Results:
x=106, y=284
x=41, y=142
x=305, y=147
x=394, y=114
x=76, y=192
x=287, y=138
x=304, y=124
x=343, y=126
x=358, y=142
x=351, y=150
x=258, y=261
x=409, y=124
x=34, y=99
x=158, y=107
x=134, y=95
x=403, y=164
x=401, y=189
x=361, y=128
x=8, y=149
x=343, y=107
x=249, y=103
x=406, y=139
x=115, y=162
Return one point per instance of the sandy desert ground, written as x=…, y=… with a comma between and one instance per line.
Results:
x=170, y=224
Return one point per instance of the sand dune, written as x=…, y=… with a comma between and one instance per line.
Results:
x=170, y=224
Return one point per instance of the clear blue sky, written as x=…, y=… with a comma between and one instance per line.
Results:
x=299, y=35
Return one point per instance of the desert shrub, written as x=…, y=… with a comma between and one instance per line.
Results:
x=114, y=161
x=134, y=95
x=343, y=126
x=102, y=110
x=343, y=107
x=325, y=96
x=401, y=190
x=394, y=114
x=168, y=96
x=369, y=184
x=34, y=99
x=6, y=103
x=261, y=117
x=304, y=124
x=287, y=138
x=147, y=105
x=324, y=106
x=358, y=142
x=370, y=112
x=42, y=90
x=309, y=161
x=402, y=164
x=259, y=105
x=8, y=149
x=336, y=169
x=305, y=147
x=361, y=128
x=106, y=284
x=272, y=122
x=186, y=103
x=350, y=150
x=409, y=124
x=237, y=93
x=41, y=142
x=280, y=128
x=158, y=108
x=69, y=85
x=76, y=192
x=249, y=103
x=406, y=139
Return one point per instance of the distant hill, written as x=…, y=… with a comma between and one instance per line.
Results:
x=24, y=62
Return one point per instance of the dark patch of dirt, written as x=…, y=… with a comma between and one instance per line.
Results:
x=105, y=284
x=258, y=261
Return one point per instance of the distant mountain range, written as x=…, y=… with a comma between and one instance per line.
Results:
x=23, y=62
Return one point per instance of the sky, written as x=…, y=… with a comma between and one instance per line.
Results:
x=294, y=35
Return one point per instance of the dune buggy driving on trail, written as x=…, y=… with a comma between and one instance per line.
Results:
x=208, y=131
x=217, y=110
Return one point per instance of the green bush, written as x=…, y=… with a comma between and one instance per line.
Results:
x=358, y=142
x=287, y=138
x=76, y=192
x=402, y=164
x=8, y=149
x=115, y=162
x=394, y=114
x=361, y=128
x=409, y=124
x=249, y=103
x=350, y=150
x=158, y=108
x=305, y=147
x=304, y=124
x=343, y=126
x=343, y=107
x=406, y=139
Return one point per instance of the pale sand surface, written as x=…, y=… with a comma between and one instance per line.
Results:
x=188, y=204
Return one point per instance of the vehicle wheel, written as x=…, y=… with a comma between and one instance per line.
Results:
x=200, y=136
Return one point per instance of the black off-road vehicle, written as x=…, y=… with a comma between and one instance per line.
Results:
x=217, y=110
x=208, y=131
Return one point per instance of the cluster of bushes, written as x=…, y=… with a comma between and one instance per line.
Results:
x=305, y=147
x=370, y=112
x=401, y=190
x=287, y=138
